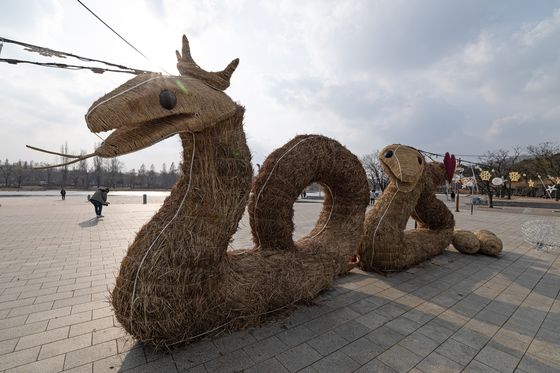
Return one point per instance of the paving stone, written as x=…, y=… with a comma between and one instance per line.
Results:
x=372, y=320
x=195, y=354
x=545, y=350
x=471, y=338
x=265, y=349
x=51, y=365
x=327, y=343
x=399, y=358
x=362, y=350
x=108, y=334
x=234, y=361
x=435, y=332
x=336, y=362
x=90, y=354
x=457, y=351
x=385, y=337
x=294, y=336
x=42, y=338
x=13, y=321
x=476, y=366
x=8, y=346
x=91, y=326
x=531, y=363
x=69, y=320
x=88, y=306
x=265, y=331
x=47, y=315
x=267, y=366
x=120, y=362
x=403, y=325
x=375, y=366
x=234, y=341
x=23, y=330
x=162, y=365
x=391, y=310
x=102, y=312
x=298, y=357
x=497, y=359
x=54, y=296
x=436, y=363
x=30, y=309
x=419, y=344
x=363, y=306
x=18, y=358
x=351, y=330
x=65, y=345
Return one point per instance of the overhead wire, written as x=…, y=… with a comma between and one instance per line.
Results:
x=121, y=37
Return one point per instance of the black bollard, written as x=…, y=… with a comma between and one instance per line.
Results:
x=144, y=199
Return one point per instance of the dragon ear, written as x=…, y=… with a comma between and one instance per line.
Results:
x=187, y=66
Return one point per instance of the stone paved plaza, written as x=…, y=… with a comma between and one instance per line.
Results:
x=453, y=313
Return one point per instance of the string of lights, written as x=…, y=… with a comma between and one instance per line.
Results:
x=97, y=70
x=48, y=52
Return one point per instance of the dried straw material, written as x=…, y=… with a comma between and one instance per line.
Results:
x=177, y=282
x=490, y=244
x=283, y=176
x=135, y=111
x=385, y=245
x=465, y=241
x=189, y=286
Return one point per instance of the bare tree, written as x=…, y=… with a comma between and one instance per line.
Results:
x=98, y=170
x=64, y=150
x=374, y=171
x=142, y=175
x=501, y=162
x=83, y=171
x=151, y=176
x=115, y=168
x=6, y=170
x=546, y=162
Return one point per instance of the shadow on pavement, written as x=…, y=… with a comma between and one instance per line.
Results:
x=88, y=223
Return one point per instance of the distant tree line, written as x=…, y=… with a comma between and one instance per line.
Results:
x=84, y=175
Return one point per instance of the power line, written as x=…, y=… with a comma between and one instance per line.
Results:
x=119, y=35
x=48, y=52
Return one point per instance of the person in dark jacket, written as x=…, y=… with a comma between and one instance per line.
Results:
x=63, y=193
x=99, y=199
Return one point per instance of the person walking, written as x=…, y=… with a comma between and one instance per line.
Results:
x=372, y=197
x=99, y=199
x=63, y=193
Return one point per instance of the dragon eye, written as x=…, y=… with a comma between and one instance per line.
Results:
x=167, y=99
x=388, y=154
x=419, y=160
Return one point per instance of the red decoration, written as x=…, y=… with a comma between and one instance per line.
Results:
x=449, y=163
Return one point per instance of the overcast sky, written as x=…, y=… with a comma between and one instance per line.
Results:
x=457, y=76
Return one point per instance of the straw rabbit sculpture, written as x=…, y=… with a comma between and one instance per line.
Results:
x=385, y=244
x=178, y=282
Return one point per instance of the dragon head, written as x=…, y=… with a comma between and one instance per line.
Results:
x=152, y=107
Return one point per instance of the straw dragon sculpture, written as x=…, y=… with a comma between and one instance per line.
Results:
x=178, y=282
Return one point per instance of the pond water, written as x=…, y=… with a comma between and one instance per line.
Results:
x=56, y=192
